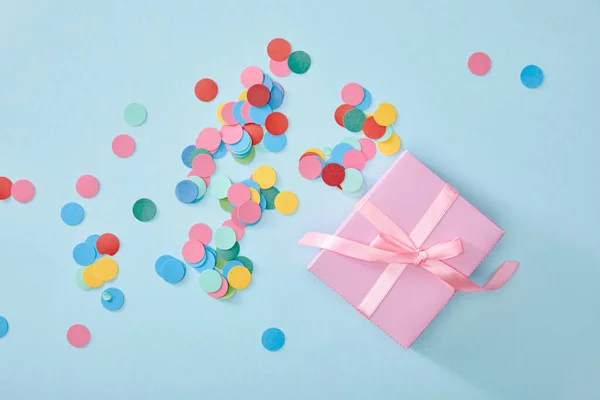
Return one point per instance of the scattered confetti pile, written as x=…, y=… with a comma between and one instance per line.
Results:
x=283, y=60
x=22, y=190
x=97, y=267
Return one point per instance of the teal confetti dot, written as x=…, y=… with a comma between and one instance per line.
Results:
x=135, y=114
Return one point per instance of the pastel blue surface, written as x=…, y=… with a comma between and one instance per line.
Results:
x=527, y=158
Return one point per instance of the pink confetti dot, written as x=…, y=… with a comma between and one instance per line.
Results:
x=193, y=251
x=353, y=94
x=23, y=191
x=479, y=63
x=238, y=193
x=78, y=336
x=87, y=186
x=239, y=230
x=222, y=290
x=310, y=167
x=201, y=233
x=123, y=146
x=246, y=111
x=249, y=212
x=204, y=165
x=232, y=133
x=251, y=76
x=209, y=139
x=279, y=68
x=354, y=159
x=227, y=113
x=368, y=148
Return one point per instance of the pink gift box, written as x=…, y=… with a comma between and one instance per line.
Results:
x=418, y=289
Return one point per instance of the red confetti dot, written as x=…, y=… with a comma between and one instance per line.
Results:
x=279, y=49
x=107, y=243
x=206, y=89
x=258, y=95
x=255, y=131
x=276, y=123
x=372, y=129
x=309, y=153
x=339, y=114
x=333, y=174
x=5, y=187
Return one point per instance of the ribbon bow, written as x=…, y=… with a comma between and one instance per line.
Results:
x=394, y=246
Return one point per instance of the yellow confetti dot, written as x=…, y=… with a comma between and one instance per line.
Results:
x=265, y=176
x=286, y=203
x=219, y=113
x=239, y=277
x=255, y=195
x=106, y=269
x=317, y=151
x=385, y=115
x=243, y=96
x=90, y=278
x=390, y=146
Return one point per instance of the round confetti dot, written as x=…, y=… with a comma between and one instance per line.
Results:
x=333, y=174
x=247, y=159
x=251, y=76
x=3, y=326
x=299, y=62
x=353, y=94
x=225, y=205
x=91, y=240
x=255, y=131
x=232, y=134
x=230, y=265
x=279, y=68
x=89, y=277
x=317, y=152
x=5, y=187
x=352, y=141
x=222, y=290
x=108, y=244
x=337, y=155
x=267, y=82
x=340, y=112
x=239, y=277
x=276, y=123
x=327, y=151
x=479, y=63
x=270, y=194
x=258, y=95
x=135, y=114
x=186, y=191
x=532, y=76
x=201, y=183
x=84, y=254
x=230, y=293
x=229, y=254
x=264, y=176
x=219, y=185
x=354, y=159
x=239, y=230
x=388, y=133
x=106, y=269
x=368, y=148
x=87, y=186
x=286, y=203
x=274, y=143
x=366, y=102
x=390, y=146
x=78, y=335
x=273, y=339
x=249, y=213
x=196, y=152
x=255, y=195
x=193, y=251
x=201, y=233
x=112, y=299
x=385, y=114
x=209, y=139
x=237, y=112
x=354, y=119
x=279, y=49
x=144, y=210
x=23, y=191
x=72, y=214
x=204, y=164
x=79, y=279
x=221, y=151
x=259, y=115
x=372, y=129
x=352, y=181
x=227, y=113
x=206, y=90
x=225, y=238
x=173, y=271
x=276, y=99
x=123, y=146
x=209, y=262
x=211, y=281
x=238, y=193
x=311, y=167
x=160, y=262
x=243, y=96
x=246, y=262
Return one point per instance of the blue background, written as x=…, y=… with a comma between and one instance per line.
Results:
x=526, y=158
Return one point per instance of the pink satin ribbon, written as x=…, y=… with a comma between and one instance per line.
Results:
x=397, y=248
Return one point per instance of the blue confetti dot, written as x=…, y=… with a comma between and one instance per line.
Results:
x=276, y=99
x=366, y=101
x=274, y=143
x=532, y=76
x=221, y=151
x=259, y=114
x=3, y=326
x=173, y=271
x=72, y=214
x=199, y=264
x=92, y=239
x=237, y=113
x=229, y=265
x=210, y=260
x=273, y=339
x=243, y=145
x=160, y=261
x=338, y=152
x=250, y=183
x=84, y=254
x=186, y=191
x=268, y=82
x=263, y=203
x=116, y=301
x=186, y=154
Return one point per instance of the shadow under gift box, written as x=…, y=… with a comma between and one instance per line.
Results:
x=405, y=193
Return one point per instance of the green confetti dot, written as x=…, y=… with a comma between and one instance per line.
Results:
x=352, y=141
x=196, y=152
x=260, y=147
x=354, y=120
x=327, y=151
x=79, y=279
x=299, y=62
x=144, y=210
x=353, y=180
x=219, y=185
x=226, y=205
x=230, y=292
x=135, y=114
x=247, y=263
x=229, y=254
x=270, y=195
x=220, y=263
x=248, y=159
